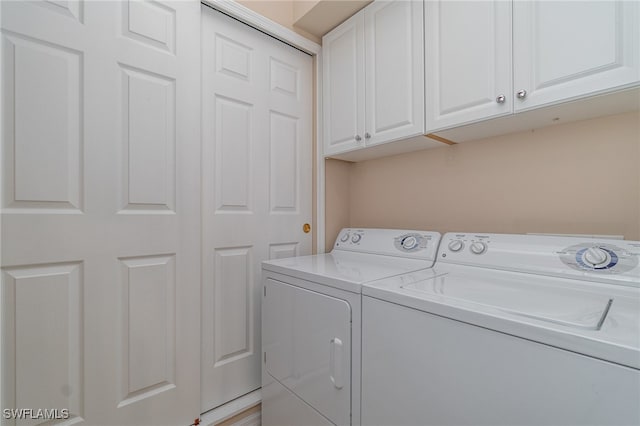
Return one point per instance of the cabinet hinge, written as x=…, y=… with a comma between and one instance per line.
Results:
x=265, y=357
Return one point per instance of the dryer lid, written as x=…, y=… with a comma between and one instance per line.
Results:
x=344, y=269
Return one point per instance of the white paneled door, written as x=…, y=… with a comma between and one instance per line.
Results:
x=100, y=207
x=257, y=142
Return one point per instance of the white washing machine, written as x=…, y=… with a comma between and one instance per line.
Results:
x=506, y=330
x=311, y=316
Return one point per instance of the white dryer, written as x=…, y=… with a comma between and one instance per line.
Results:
x=506, y=330
x=311, y=316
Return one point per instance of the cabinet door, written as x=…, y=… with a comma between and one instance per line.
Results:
x=343, y=86
x=394, y=49
x=566, y=50
x=468, y=61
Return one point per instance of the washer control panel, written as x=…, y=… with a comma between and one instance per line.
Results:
x=466, y=243
x=601, y=257
x=391, y=242
x=584, y=258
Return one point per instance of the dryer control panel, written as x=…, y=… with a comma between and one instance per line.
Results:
x=614, y=261
x=389, y=242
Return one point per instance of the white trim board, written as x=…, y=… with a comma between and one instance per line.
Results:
x=231, y=408
x=320, y=162
x=259, y=22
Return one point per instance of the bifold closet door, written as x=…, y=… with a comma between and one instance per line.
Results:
x=100, y=210
x=257, y=142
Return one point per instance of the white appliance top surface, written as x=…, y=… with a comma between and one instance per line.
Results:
x=567, y=308
x=345, y=270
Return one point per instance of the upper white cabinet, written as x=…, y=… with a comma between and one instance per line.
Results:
x=481, y=63
x=394, y=71
x=567, y=49
x=468, y=61
x=343, y=86
x=373, y=77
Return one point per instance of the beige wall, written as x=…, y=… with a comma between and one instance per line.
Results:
x=337, y=199
x=579, y=177
x=280, y=11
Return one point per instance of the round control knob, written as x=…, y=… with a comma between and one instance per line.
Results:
x=478, y=247
x=409, y=242
x=456, y=245
x=344, y=237
x=595, y=256
x=356, y=238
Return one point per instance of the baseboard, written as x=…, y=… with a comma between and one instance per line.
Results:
x=233, y=408
x=253, y=419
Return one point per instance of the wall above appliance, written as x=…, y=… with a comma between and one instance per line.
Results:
x=318, y=17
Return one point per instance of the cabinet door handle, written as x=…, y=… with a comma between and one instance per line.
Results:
x=367, y=136
x=335, y=362
x=521, y=94
x=358, y=138
x=500, y=99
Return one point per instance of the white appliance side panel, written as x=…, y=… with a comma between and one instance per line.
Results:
x=281, y=407
x=419, y=368
x=307, y=347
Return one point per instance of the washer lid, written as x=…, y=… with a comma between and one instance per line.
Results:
x=519, y=296
x=344, y=269
x=595, y=319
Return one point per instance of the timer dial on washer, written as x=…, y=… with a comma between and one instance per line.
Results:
x=456, y=245
x=478, y=247
x=409, y=242
x=356, y=238
x=344, y=237
x=596, y=257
